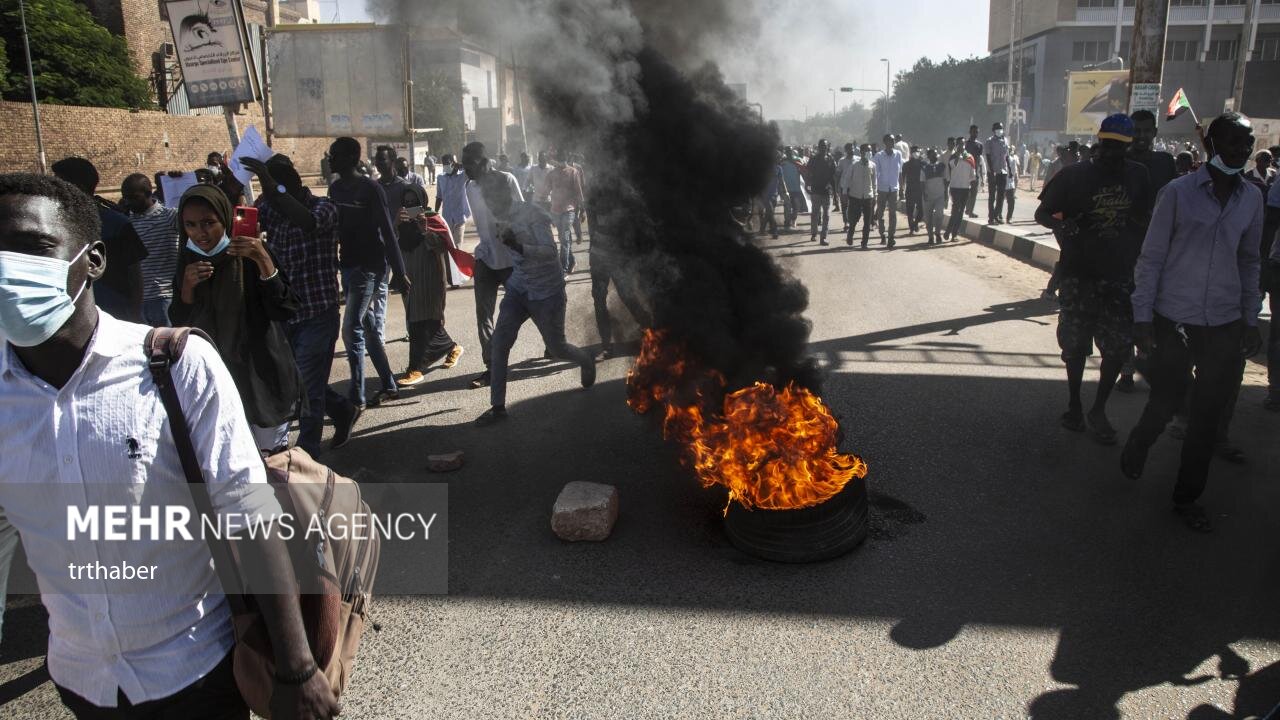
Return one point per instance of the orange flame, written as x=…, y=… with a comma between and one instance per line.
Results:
x=773, y=449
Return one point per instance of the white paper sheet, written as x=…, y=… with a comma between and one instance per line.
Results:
x=174, y=187
x=251, y=145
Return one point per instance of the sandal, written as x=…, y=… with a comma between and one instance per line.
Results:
x=1101, y=429
x=1073, y=420
x=1194, y=517
x=1230, y=453
x=1133, y=459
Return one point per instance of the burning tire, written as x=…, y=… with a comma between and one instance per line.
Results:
x=811, y=534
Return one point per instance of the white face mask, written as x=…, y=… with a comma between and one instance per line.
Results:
x=1000, y=133
x=34, y=304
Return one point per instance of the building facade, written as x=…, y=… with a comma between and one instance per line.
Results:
x=1203, y=44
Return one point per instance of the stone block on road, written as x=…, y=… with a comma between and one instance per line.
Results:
x=585, y=511
x=445, y=462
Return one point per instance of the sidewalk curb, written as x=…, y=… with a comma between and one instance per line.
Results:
x=1027, y=250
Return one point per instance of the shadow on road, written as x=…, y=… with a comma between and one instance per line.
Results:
x=1027, y=527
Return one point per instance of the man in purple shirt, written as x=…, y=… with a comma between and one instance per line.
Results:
x=1196, y=305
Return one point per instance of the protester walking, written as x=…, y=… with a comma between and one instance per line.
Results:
x=535, y=288
x=913, y=188
x=859, y=182
x=231, y=288
x=368, y=245
x=1196, y=306
x=302, y=234
x=933, y=175
x=567, y=198
x=1099, y=210
x=424, y=242
x=112, y=652
x=995, y=152
x=821, y=183
x=974, y=148
x=157, y=227
x=888, y=174
x=493, y=257
x=451, y=198
x=119, y=290
x=962, y=169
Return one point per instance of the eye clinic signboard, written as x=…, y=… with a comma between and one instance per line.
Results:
x=210, y=41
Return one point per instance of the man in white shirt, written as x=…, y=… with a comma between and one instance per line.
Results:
x=493, y=258
x=83, y=413
x=888, y=164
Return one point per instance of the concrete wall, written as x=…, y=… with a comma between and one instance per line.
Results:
x=1037, y=16
x=120, y=142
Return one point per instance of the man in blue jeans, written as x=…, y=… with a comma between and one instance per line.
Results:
x=302, y=232
x=535, y=289
x=367, y=244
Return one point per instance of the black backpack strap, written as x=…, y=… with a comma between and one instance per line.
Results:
x=163, y=347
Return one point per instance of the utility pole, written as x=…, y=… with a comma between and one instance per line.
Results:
x=31, y=79
x=888, y=88
x=1248, y=37
x=1150, y=24
x=1013, y=23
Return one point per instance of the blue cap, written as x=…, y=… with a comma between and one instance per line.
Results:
x=1117, y=127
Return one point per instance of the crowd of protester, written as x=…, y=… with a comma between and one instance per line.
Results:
x=1162, y=253
x=1167, y=250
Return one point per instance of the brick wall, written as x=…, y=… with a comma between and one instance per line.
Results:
x=120, y=142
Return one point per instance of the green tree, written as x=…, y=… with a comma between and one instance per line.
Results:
x=932, y=101
x=437, y=103
x=847, y=125
x=76, y=61
x=4, y=67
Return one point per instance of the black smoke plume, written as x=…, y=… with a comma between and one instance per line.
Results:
x=669, y=153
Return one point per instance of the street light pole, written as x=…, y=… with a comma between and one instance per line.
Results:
x=31, y=79
x=833, y=102
x=888, y=89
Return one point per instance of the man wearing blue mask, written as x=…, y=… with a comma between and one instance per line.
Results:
x=1196, y=305
x=81, y=408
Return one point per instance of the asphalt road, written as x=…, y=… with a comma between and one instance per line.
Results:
x=1013, y=571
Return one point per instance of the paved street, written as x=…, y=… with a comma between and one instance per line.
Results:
x=1012, y=570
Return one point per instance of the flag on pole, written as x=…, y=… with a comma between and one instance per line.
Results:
x=1178, y=104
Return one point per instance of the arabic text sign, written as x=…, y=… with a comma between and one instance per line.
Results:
x=211, y=51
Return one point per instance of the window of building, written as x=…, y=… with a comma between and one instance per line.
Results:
x=1181, y=50
x=1091, y=50
x=1188, y=3
x=1223, y=50
x=1268, y=47
x=1104, y=3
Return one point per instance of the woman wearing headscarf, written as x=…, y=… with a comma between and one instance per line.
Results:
x=232, y=289
x=424, y=244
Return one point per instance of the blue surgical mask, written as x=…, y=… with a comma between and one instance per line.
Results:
x=223, y=244
x=1216, y=161
x=34, y=304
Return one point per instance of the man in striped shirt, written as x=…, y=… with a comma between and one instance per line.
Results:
x=157, y=225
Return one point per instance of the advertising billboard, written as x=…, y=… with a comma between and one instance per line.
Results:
x=331, y=80
x=210, y=41
x=1091, y=96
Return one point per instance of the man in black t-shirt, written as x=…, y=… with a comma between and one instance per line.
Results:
x=1160, y=171
x=119, y=290
x=1099, y=210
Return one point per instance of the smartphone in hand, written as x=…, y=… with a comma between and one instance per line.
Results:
x=246, y=222
x=415, y=212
